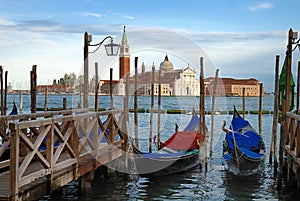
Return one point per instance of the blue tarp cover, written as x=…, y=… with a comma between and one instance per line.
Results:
x=249, y=140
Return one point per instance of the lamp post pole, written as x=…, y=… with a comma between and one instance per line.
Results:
x=111, y=50
x=86, y=71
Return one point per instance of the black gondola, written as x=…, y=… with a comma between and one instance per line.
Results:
x=243, y=147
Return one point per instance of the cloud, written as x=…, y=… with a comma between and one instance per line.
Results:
x=261, y=6
x=97, y=15
x=128, y=17
x=6, y=23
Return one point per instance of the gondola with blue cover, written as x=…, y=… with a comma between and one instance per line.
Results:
x=243, y=147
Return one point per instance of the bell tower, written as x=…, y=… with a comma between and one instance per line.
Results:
x=124, y=57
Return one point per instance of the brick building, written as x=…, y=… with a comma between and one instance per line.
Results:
x=233, y=87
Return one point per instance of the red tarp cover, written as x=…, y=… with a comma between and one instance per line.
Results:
x=182, y=140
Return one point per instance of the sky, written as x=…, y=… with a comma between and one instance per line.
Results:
x=239, y=37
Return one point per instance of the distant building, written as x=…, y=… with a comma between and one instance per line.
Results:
x=56, y=88
x=233, y=87
x=174, y=82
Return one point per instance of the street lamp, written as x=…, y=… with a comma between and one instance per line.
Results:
x=111, y=50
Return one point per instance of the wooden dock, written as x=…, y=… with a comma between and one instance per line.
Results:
x=48, y=150
x=292, y=148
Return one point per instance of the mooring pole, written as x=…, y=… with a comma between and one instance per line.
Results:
x=212, y=113
x=21, y=101
x=64, y=103
x=202, y=112
x=1, y=80
x=136, y=121
x=5, y=93
x=260, y=109
x=244, y=102
x=158, y=105
x=273, y=149
x=96, y=88
x=46, y=99
x=33, y=89
x=151, y=109
x=298, y=85
x=111, y=88
x=285, y=107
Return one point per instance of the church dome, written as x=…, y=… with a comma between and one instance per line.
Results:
x=166, y=65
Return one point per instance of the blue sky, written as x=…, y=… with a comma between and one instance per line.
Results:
x=240, y=37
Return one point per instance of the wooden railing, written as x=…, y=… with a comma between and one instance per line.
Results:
x=5, y=133
x=55, y=143
x=292, y=136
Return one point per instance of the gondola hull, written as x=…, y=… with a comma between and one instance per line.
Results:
x=165, y=165
x=239, y=164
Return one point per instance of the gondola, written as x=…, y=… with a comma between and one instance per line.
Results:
x=177, y=154
x=243, y=147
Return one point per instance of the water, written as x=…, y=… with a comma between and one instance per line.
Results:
x=215, y=184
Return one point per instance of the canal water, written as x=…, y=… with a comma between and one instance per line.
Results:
x=196, y=184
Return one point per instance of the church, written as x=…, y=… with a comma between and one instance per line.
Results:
x=174, y=82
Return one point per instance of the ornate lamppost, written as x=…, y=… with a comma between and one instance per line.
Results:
x=111, y=50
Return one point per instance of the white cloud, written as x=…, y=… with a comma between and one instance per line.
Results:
x=261, y=6
x=128, y=17
x=97, y=15
x=6, y=23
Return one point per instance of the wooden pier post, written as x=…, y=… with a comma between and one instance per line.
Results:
x=288, y=72
x=244, y=102
x=298, y=86
x=260, y=109
x=111, y=90
x=202, y=116
x=5, y=93
x=151, y=110
x=158, y=112
x=21, y=102
x=1, y=88
x=126, y=115
x=33, y=89
x=285, y=107
x=64, y=103
x=212, y=113
x=96, y=88
x=136, y=121
x=273, y=149
x=14, y=163
x=46, y=99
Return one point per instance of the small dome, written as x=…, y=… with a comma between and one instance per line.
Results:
x=166, y=65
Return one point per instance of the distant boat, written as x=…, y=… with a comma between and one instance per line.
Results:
x=14, y=110
x=178, y=154
x=243, y=147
